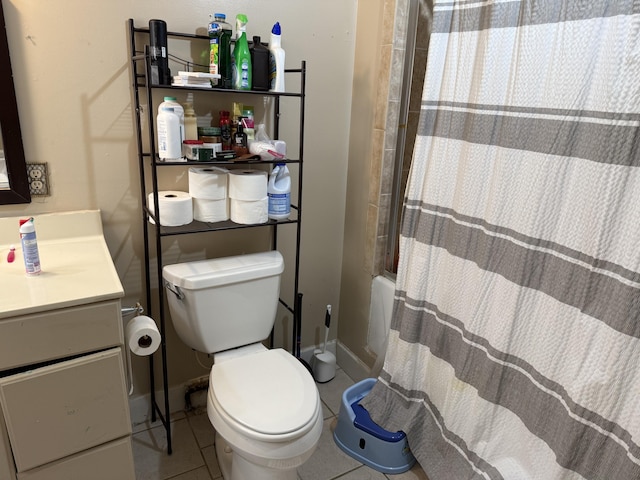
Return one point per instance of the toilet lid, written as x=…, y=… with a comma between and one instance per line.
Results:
x=270, y=392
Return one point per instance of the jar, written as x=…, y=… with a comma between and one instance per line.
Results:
x=225, y=130
x=190, y=149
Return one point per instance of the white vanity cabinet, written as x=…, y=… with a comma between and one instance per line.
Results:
x=64, y=411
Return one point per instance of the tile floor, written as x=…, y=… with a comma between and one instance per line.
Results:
x=194, y=457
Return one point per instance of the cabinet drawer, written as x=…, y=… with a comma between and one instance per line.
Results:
x=65, y=408
x=106, y=462
x=30, y=339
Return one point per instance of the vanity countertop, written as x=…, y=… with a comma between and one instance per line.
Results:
x=76, y=264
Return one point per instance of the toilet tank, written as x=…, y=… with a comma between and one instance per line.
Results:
x=225, y=302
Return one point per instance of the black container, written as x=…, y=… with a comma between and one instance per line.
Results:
x=160, y=73
x=260, y=65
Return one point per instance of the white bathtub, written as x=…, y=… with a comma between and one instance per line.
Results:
x=380, y=311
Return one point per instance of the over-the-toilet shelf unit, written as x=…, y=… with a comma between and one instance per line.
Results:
x=149, y=163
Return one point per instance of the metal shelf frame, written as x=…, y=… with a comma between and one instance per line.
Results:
x=149, y=160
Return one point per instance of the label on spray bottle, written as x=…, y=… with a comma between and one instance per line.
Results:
x=30, y=248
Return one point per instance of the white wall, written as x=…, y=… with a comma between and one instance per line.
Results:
x=71, y=69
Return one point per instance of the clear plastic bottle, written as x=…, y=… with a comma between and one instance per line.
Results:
x=279, y=193
x=220, y=50
x=242, y=56
x=190, y=122
x=276, y=60
x=169, y=140
x=214, y=46
x=224, y=51
x=30, y=247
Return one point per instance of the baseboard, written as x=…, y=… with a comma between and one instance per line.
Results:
x=351, y=364
x=307, y=353
x=140, y=405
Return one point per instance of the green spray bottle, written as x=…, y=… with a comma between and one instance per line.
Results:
x=241, y=56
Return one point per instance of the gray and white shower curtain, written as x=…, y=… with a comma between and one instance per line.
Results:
x=514, y=351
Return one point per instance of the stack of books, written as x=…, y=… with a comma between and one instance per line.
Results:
x=194, y=79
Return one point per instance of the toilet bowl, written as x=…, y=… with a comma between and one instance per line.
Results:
x=266, y=411
x=263, y=404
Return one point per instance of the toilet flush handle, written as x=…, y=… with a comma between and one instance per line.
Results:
x=175, y=289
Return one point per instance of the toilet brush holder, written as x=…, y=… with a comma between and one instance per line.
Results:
x=323, y=366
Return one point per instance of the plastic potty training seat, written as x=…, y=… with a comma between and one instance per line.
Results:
x=267, y=396
x=361, y=438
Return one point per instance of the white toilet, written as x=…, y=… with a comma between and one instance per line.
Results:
x=263, y=404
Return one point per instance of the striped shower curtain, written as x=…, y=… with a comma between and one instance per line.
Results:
x=514, y=351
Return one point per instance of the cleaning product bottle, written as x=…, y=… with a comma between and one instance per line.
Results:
x=276, y=60
x=178, y=110
x=242, y=56
x=279, y=193
x=30, y=247
x=169, y=140
x=259, y=65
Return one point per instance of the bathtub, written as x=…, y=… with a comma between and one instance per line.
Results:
x=380, y=312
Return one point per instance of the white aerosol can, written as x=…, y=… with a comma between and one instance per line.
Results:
x=30, y=247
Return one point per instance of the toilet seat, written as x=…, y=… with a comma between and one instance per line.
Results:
x=269, y=395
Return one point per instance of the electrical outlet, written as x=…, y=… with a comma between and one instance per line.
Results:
x=38, y=180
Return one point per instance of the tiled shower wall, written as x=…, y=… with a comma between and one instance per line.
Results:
x=387, y=120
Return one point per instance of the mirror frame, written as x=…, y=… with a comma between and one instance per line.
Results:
x=18, y=191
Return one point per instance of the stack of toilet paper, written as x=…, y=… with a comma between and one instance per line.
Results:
x=208, y=189
x=248, y=196
x=215, y=195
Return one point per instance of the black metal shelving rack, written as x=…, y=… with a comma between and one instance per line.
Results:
x=148, y=160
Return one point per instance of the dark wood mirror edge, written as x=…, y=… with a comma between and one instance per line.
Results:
x=18, y=191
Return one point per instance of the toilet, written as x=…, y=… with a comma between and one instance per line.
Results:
x=262, y=403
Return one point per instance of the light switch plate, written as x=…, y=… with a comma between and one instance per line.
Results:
x=38, y=179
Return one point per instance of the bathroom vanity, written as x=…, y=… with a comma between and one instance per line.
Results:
x=64, y=409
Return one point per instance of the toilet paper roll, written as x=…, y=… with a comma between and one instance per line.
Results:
x=208, y=183
x=211, y=211
x=142, y=335
x=176, y=208
x=248, y=184
x=251, y=212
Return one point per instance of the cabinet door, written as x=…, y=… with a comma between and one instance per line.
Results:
x=106, y=462
x=65, y=408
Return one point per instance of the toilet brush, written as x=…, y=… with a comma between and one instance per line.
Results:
x=324, y=363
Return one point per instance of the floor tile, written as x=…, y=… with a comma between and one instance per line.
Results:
x=201, y=473
x=150, y=452
x=326, y=413
x=328, y=461
x=202, y=428
x=140, y=427
x=331, y=392
x=209, y=455
x=363, y=473
x=416, y=473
